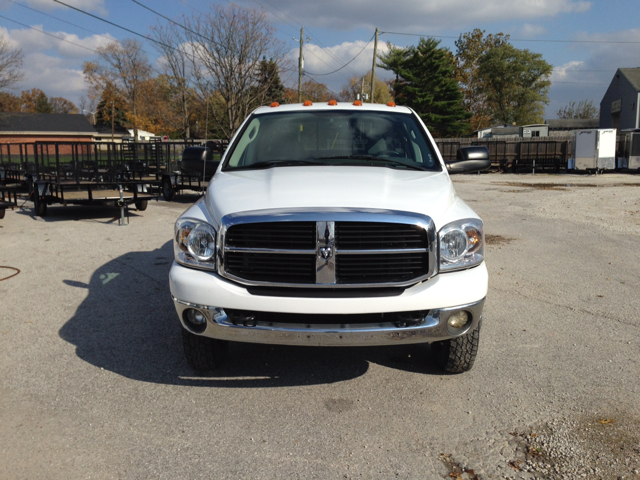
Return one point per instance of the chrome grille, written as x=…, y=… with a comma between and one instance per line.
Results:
x=327, y=249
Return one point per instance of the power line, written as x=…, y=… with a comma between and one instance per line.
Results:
x=114, y=24
x=173, y=21
x=50, y=34
x=363, y=48
x=518, y=39
x=310, y=33
x=111, y=39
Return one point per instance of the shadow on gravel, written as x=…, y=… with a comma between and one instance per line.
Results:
x=60, y=213
x=127, y=324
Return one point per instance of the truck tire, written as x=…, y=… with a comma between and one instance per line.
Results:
x=1, y=213
x=203, y=353
x=167, y=190
x=457, y=355
x=141, y=205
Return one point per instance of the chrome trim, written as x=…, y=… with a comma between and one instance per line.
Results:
x=433, y=328
x=327, y=216
x=381, y=251
x=326, y=253
x=270, y=250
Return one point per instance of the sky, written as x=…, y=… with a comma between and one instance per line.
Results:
x=585, y=41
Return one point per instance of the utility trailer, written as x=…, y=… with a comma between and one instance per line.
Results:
x=6, y=200
x=548, y=154
x=197, y=166
x=629, y=153
x=594, y=150
x=82, y=173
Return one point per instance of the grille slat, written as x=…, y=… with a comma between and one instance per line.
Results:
x=381, y=267
x=289, y=235
x=367, y=235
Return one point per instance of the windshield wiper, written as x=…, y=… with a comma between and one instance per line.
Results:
x=374, y=158
x=278, y=163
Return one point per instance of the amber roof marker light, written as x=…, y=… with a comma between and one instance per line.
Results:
x=357, y=103
x=307, y=103
x=333, y=102
x=275, y=104
x=391, y=104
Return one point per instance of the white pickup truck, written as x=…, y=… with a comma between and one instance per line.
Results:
x=332, y=224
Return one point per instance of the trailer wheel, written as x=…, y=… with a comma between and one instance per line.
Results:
x=458, y=354
x=142, y=205
x=203, y=353
x=167, y=190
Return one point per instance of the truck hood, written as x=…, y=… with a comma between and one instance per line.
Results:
x=428, y=193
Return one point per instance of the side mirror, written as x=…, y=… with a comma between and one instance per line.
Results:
x=469, y=160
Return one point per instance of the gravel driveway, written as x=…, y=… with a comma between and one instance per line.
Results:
x=93, y=383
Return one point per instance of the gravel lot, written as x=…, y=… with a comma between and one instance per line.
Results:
x=93, y=383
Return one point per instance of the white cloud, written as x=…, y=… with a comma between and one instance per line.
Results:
x=418, y=17
x=589, y=78
x=88, y=5
x=69, y=45
x=321, y=60
x=531, y=31
x=58, y=72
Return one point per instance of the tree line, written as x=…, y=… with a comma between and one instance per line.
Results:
x=215, y=68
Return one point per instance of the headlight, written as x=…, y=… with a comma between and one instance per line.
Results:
x=194, y=244
x=461, y=245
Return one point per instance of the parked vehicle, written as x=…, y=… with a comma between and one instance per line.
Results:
x=332, y=225
x=594, y=150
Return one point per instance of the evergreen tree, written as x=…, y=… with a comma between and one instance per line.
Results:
x=269, y=82
x=426, y=82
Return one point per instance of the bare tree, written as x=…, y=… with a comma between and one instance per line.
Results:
x=125, y=67
x=229, y=44
x=177, y=66
x=10, y=64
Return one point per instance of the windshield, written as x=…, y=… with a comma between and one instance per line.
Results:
x=332, y=137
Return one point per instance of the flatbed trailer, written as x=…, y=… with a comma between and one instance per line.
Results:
x=197, y=166
x=111, y=194
x=8, y=198
x=86, y=173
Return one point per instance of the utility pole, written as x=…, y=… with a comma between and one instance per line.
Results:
x=373, y=68
x=112, y=121
x=300, y=66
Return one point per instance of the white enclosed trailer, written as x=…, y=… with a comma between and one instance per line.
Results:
x=594, y=149
x=631, y=150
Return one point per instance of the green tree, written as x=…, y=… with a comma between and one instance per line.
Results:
x=357, y=85
x=270, y=86
x=426, y=82
x=516, y=84
x=470, y=47
x=584, y=109
x=35, y=101
x=9, y=103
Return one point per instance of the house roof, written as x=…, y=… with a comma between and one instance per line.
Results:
x=50, y=123
x=572, y=123
x=632, y=75
x=105, y=129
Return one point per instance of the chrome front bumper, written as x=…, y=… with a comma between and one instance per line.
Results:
x=432, y=328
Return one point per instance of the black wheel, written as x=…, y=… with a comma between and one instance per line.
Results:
x=203, y=353
x=167, y=190
x=40, y=207
x=2, y=213
x=142, y=205
x=457, y=355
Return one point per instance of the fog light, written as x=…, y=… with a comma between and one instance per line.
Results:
x=195, y=320
x=458, y=319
